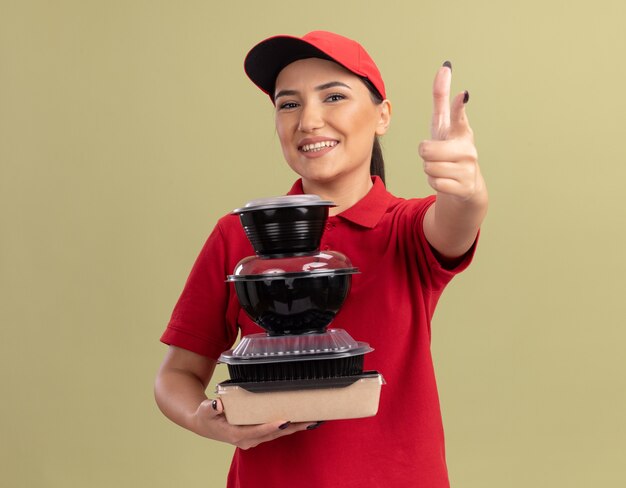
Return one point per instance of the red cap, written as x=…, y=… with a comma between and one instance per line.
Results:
x=269, y=57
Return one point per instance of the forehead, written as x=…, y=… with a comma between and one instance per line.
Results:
x=311, y=71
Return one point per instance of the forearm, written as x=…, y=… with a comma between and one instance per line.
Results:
x=178, y=396
x=179, y=393
x=451, y=224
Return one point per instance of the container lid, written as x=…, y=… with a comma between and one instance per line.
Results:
x=305, y=200
x=293, y=385
x=262, y=348
x=324, y=263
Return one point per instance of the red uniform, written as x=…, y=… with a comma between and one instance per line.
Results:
x=390, y=306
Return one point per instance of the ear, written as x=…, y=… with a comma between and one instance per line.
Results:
x=385, y=117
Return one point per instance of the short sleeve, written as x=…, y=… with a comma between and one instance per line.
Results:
x=199, y=320
x=440, y=270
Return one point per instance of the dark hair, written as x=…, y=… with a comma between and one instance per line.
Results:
x=377, y=163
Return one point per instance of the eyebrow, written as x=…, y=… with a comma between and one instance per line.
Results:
x=325, y=86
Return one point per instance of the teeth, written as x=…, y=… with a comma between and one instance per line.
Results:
x=318, y=146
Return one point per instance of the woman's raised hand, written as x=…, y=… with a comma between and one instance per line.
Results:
x=450, y=156
x=451, y=166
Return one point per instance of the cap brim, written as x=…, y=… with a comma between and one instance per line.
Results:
x=266, y=60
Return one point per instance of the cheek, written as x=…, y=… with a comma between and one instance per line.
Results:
x=288, y=147
x=284, y=134
x=360, y=123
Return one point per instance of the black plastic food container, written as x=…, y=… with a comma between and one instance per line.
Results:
x=295, y=294
x=291, y=224
x=318, y=368
x=261, y=357
x=293, y=303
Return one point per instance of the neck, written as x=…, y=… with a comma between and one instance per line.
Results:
x=344, y=194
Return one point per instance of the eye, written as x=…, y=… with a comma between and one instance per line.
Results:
x=287, y=105
x=335, y=97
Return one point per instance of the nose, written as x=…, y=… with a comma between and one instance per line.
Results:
x=311, y=118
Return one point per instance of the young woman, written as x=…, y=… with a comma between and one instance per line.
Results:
x=331, y=106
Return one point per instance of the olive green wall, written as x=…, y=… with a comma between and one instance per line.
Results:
x=128, y=127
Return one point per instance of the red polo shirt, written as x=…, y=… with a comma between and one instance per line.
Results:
x=390, y=306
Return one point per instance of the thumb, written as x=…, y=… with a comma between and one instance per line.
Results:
x=211, y=408
x=459, y=124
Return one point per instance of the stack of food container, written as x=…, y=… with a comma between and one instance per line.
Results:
x=299, y=369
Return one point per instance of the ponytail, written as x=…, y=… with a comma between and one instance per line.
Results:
x=377, y=164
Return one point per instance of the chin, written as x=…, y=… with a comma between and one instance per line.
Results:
x=319, y=175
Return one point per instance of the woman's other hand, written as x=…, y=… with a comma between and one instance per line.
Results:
x=179, y=392
x=211, y=422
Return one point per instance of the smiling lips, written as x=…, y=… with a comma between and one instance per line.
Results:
x=317, y=147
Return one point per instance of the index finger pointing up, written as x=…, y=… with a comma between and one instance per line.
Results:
x=441, y=102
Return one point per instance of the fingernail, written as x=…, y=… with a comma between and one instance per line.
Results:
x=466, y=97
x=284, y=426
x=214, y=405
x=448, y=64
x=315, y=425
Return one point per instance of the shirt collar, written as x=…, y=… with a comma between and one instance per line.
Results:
x=368, y=211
